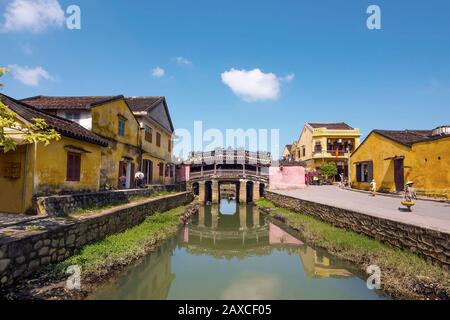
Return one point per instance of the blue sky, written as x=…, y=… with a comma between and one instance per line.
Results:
x=394, y=78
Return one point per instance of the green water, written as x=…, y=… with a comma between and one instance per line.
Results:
x=234, y=252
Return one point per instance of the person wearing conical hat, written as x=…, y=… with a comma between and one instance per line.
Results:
x=410, y=192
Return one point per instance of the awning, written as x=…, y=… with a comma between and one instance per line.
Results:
x=76, y=149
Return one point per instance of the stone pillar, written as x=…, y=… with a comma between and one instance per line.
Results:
x=243, y=218
x=215, y=191
x=201, y=216
x=255, y=191
x=201, y=191
x=256, y=216
x=215, y=217
x=243, y=192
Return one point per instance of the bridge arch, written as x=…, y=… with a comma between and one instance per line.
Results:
x=247, y=170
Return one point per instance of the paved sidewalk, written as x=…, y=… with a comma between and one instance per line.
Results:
x=9, y=219
x=428, y=214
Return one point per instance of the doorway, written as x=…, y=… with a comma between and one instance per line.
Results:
x=126, y=174
x=399, y=174
x=148, y=171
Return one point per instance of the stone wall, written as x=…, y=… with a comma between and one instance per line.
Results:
x=63, y=205
x=430, y=244
x=22, y=254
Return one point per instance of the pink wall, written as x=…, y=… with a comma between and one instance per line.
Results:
x=288, y=178
x=182, y=173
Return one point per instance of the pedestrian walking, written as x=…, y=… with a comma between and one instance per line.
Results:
x=139, y=179
x=373, y=187
x=410, y=195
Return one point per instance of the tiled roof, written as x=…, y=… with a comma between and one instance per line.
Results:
x=139, y=104
x=44, y=102
x=148, y=105
x=406, y=137
x=65, y=127
x=289, y=147
x=331, y=125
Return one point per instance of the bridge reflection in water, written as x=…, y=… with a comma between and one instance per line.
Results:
x=232, y=251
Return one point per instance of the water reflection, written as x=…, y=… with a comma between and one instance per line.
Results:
x=243, y=255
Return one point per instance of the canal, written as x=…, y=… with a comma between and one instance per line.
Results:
x=234, y=252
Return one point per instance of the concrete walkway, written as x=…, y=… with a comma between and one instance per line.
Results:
x=429, y=214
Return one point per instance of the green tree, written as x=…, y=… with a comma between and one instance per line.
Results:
x=328, y=170
x=36, y=131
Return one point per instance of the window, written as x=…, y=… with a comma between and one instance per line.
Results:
x=121, y=129
x=318, y=147
x=364, y=171
x=161, y=169
x=148, y=134
x=169, y=145
x=158, y=139
x=167, y=170
x=304, y=151
x=73, y=166
x=73, y=116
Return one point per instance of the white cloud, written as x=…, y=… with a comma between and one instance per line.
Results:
x=158, y=72
x=254, y=85
x=29, y=76
x=33, y=15
x=183, y=61
x=288, y=78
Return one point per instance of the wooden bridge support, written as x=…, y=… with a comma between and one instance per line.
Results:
x=243, y=192
x=215, y=192
x=201, y=192
x=256, y=191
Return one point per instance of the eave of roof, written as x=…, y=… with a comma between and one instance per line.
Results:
x=68, y=102
x=63, y=126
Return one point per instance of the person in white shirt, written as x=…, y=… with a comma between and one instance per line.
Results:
x=373, y=187
x=139, y=179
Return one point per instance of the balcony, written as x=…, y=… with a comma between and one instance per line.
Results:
x=331, y=154
x=321, y=132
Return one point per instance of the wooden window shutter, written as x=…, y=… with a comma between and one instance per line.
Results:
x=358, y=172
x=73, y=167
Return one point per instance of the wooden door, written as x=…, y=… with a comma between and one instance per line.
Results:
x=132, y=180
x=148, y=171
x=399, y=174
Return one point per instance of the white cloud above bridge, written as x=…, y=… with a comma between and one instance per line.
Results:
x=254, y=85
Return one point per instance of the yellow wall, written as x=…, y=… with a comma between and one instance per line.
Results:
x=431, y=177
x=377, y=148
x=11, y=189
x=156, y=179
x=44, y=172
x=157, y=154
x=162, y=151
x=105, y=122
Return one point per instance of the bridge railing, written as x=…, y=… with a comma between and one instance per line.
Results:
x=227, y=173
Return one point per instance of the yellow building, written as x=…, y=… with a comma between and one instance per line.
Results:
x=287, y=152
x=33, y=169
x=139, y=131
x=326, y=142
x=394, y=157
x=156, y=138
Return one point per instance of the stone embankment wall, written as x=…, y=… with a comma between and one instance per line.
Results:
x=430, y=244
x=64, y=205
x=22, y=254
